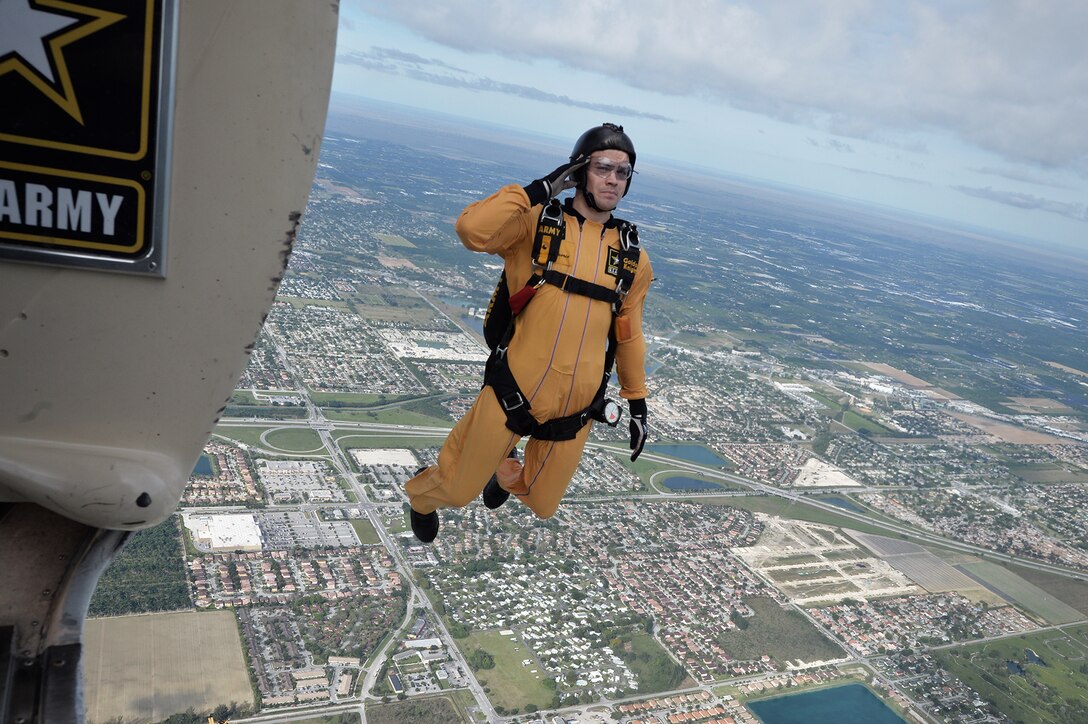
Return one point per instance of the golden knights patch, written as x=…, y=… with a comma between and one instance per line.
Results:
x=615, y=258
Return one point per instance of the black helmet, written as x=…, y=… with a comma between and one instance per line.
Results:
x=606, y=136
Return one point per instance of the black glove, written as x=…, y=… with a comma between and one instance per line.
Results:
x=555, y=183
x=638, y=427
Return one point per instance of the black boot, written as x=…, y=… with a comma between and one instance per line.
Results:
x=425, y=527
x=494, y=494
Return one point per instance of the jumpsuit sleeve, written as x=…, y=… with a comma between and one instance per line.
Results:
x=498, y=223
x=631, y=347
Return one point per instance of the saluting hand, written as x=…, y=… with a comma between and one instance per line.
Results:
x=560, y=179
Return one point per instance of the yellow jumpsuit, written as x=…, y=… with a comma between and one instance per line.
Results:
x=556, y=355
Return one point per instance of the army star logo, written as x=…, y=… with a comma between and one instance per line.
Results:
x=33, y=35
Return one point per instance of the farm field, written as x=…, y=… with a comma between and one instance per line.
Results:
x=1069, y=591
x=1028, y=596
x=146, y=668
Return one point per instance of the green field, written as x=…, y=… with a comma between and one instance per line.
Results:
x=365, y=530
x=1024, y=593
x=249, y=435
x=774, y=505
x=279, y=439
x=1054, y=691
x=782, y=634
x=353, y=399
x=824, y=400
x=512, y=686
x=860, y=423
x=294, y=440
x=1048, y=473
x=243, y=397
x=395, y=240
x=388, y=416
x=421, y=710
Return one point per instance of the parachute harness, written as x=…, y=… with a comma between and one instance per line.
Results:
x=504, y=309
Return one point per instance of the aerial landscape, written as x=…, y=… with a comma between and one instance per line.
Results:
x=865, y=492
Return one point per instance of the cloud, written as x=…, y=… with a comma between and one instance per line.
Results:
x=893, y=177
x=1078, y=212
x=399, y=56
x=1010, y=76
x=1022, y=175
x=832, y=144
x=410, y=65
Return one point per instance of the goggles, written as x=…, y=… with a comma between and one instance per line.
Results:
x=604, y=168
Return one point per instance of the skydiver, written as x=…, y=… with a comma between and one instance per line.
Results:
x=557, y=308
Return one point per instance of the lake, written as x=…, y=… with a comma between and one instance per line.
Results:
x=204, y=467
x=838, y=704
x=691, y=453
x=690, y=484
x=843, y=503
x=473, y=323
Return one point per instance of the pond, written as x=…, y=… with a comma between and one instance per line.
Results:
x=204, y=467
x=690, y=484
x=843, y=503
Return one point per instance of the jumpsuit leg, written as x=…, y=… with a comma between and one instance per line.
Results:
x=549, y=466
x=472, y=452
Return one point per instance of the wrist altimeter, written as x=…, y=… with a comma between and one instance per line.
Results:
x=611, y=413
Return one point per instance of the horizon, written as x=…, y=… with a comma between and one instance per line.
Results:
x=881, y=105
x=1051, y=257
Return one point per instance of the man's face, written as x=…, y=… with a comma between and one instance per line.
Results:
x=606, y=177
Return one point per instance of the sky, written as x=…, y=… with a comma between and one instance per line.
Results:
x=971, y=111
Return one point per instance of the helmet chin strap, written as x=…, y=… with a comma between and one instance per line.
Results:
x=592, y=203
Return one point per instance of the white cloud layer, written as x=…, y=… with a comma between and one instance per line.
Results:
x=1008, y=76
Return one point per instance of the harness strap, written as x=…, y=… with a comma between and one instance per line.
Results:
x=574, y=285
x=550, y=232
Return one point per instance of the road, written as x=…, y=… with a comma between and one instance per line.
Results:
x=325, y=429
x=315, y=420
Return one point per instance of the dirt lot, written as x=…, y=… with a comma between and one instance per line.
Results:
x=1009, y=433
x=145, y=668
x=833, y=568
